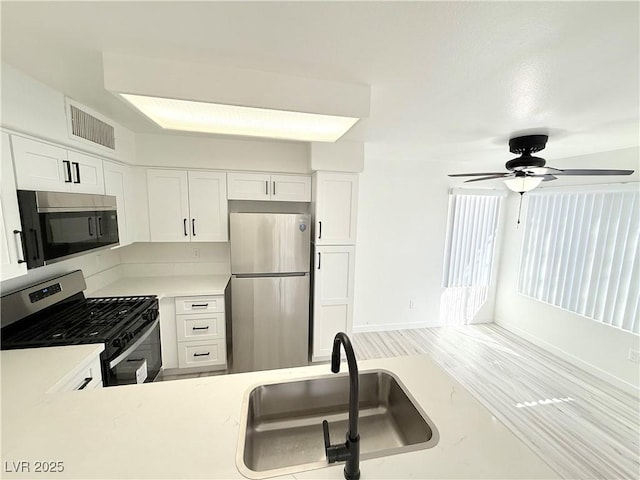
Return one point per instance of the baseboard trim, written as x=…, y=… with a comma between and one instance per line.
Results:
x=588, y=367
x=385, y=327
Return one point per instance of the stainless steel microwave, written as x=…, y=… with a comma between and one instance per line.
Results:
x=58, y=225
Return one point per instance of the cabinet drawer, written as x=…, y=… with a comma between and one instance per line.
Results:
x=199, y=304
x=200, y=327
x=196, y=354
x=87, y=378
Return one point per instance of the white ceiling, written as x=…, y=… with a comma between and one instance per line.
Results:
x=450, y=81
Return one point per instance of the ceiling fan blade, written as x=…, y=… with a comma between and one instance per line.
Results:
x=477, y=174
x=548, y=178
x=577, y=171
x=542, y=171
x=500, y=175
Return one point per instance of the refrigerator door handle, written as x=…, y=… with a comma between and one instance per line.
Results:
x=269, y=275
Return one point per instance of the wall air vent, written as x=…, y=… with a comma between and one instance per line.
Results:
x=87, y=127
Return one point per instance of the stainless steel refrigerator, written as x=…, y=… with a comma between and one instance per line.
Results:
x=269, y=290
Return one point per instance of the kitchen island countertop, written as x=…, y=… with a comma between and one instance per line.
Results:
x=166, y=286
x=190, y=428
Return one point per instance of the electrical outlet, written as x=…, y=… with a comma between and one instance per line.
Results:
x=196, y=252
x=412, y=303
x=634, y=355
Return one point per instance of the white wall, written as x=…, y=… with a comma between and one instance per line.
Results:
x=402, y=218
x=199, y=151
x=29, y=106
x=598, y=348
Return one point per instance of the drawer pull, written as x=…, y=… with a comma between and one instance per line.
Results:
x=199, y=305
x=200, y=328
x=86, y=382
x=201, y=354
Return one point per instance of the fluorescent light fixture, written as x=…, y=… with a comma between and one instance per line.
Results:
x=522, y=184
x=192, y=116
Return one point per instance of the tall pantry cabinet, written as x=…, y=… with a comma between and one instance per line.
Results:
x=335, y=200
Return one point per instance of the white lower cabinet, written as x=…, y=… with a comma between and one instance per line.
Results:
x=332, y=296
x=201, y=332
x=200, y=354
x=86, y=377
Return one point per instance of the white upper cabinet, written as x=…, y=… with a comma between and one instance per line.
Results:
x=118, y=182
x=262, y=186
x=248, y=186
x=336, y=203
x=41, y=166
x=290, y=188
x=333, y=296
x=168, y=205
x=11, y=252
x=208, y=206
x=187, y=206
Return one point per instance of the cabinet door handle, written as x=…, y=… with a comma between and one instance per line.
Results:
x=274, y=188
x=67, y=176
x=77, y=167
x=86, y=382
x=199, y=305
x=193, y=226
x=99, y=226
x=319, y=260
x=201, y=354
x=266, y=187
x=319, y=230
x=200, y=328
x=89, y=221
x=184, y=224
x=20, y=245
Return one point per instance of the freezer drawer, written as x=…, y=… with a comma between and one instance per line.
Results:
x=270, y=322
x=269, y=243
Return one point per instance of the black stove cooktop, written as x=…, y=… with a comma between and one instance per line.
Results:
x=110, y=320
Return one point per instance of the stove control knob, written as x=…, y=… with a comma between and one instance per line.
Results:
x=117, y=343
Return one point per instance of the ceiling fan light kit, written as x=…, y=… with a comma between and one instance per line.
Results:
x=522, y=184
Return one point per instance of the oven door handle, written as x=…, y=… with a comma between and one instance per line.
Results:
x=133, y=347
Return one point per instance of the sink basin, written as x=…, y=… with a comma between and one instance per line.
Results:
x=281, y=429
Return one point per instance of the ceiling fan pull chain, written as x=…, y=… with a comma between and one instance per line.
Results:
x=520, y=209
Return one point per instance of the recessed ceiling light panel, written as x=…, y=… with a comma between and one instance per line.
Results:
x=204, y=117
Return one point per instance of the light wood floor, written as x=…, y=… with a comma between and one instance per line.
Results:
x=580, y=425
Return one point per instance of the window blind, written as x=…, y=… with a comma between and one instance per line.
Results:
x=580, y=253
x=471, y=236
x=469, y=246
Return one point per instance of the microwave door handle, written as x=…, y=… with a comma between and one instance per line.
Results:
x=37, y=244
x=133, y=347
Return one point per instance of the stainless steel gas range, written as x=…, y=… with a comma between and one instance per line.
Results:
x=55, y=312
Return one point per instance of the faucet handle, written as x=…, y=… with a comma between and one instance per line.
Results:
x=327, y=441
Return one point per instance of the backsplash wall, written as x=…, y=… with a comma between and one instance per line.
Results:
x=99, y=269
x=164, y=259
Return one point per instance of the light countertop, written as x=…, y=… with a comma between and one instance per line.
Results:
x=166, y=286
x=190, y=428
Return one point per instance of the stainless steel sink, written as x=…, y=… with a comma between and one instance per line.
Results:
x=281, y=429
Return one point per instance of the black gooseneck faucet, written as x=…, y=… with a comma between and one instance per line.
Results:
x=350, y=450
